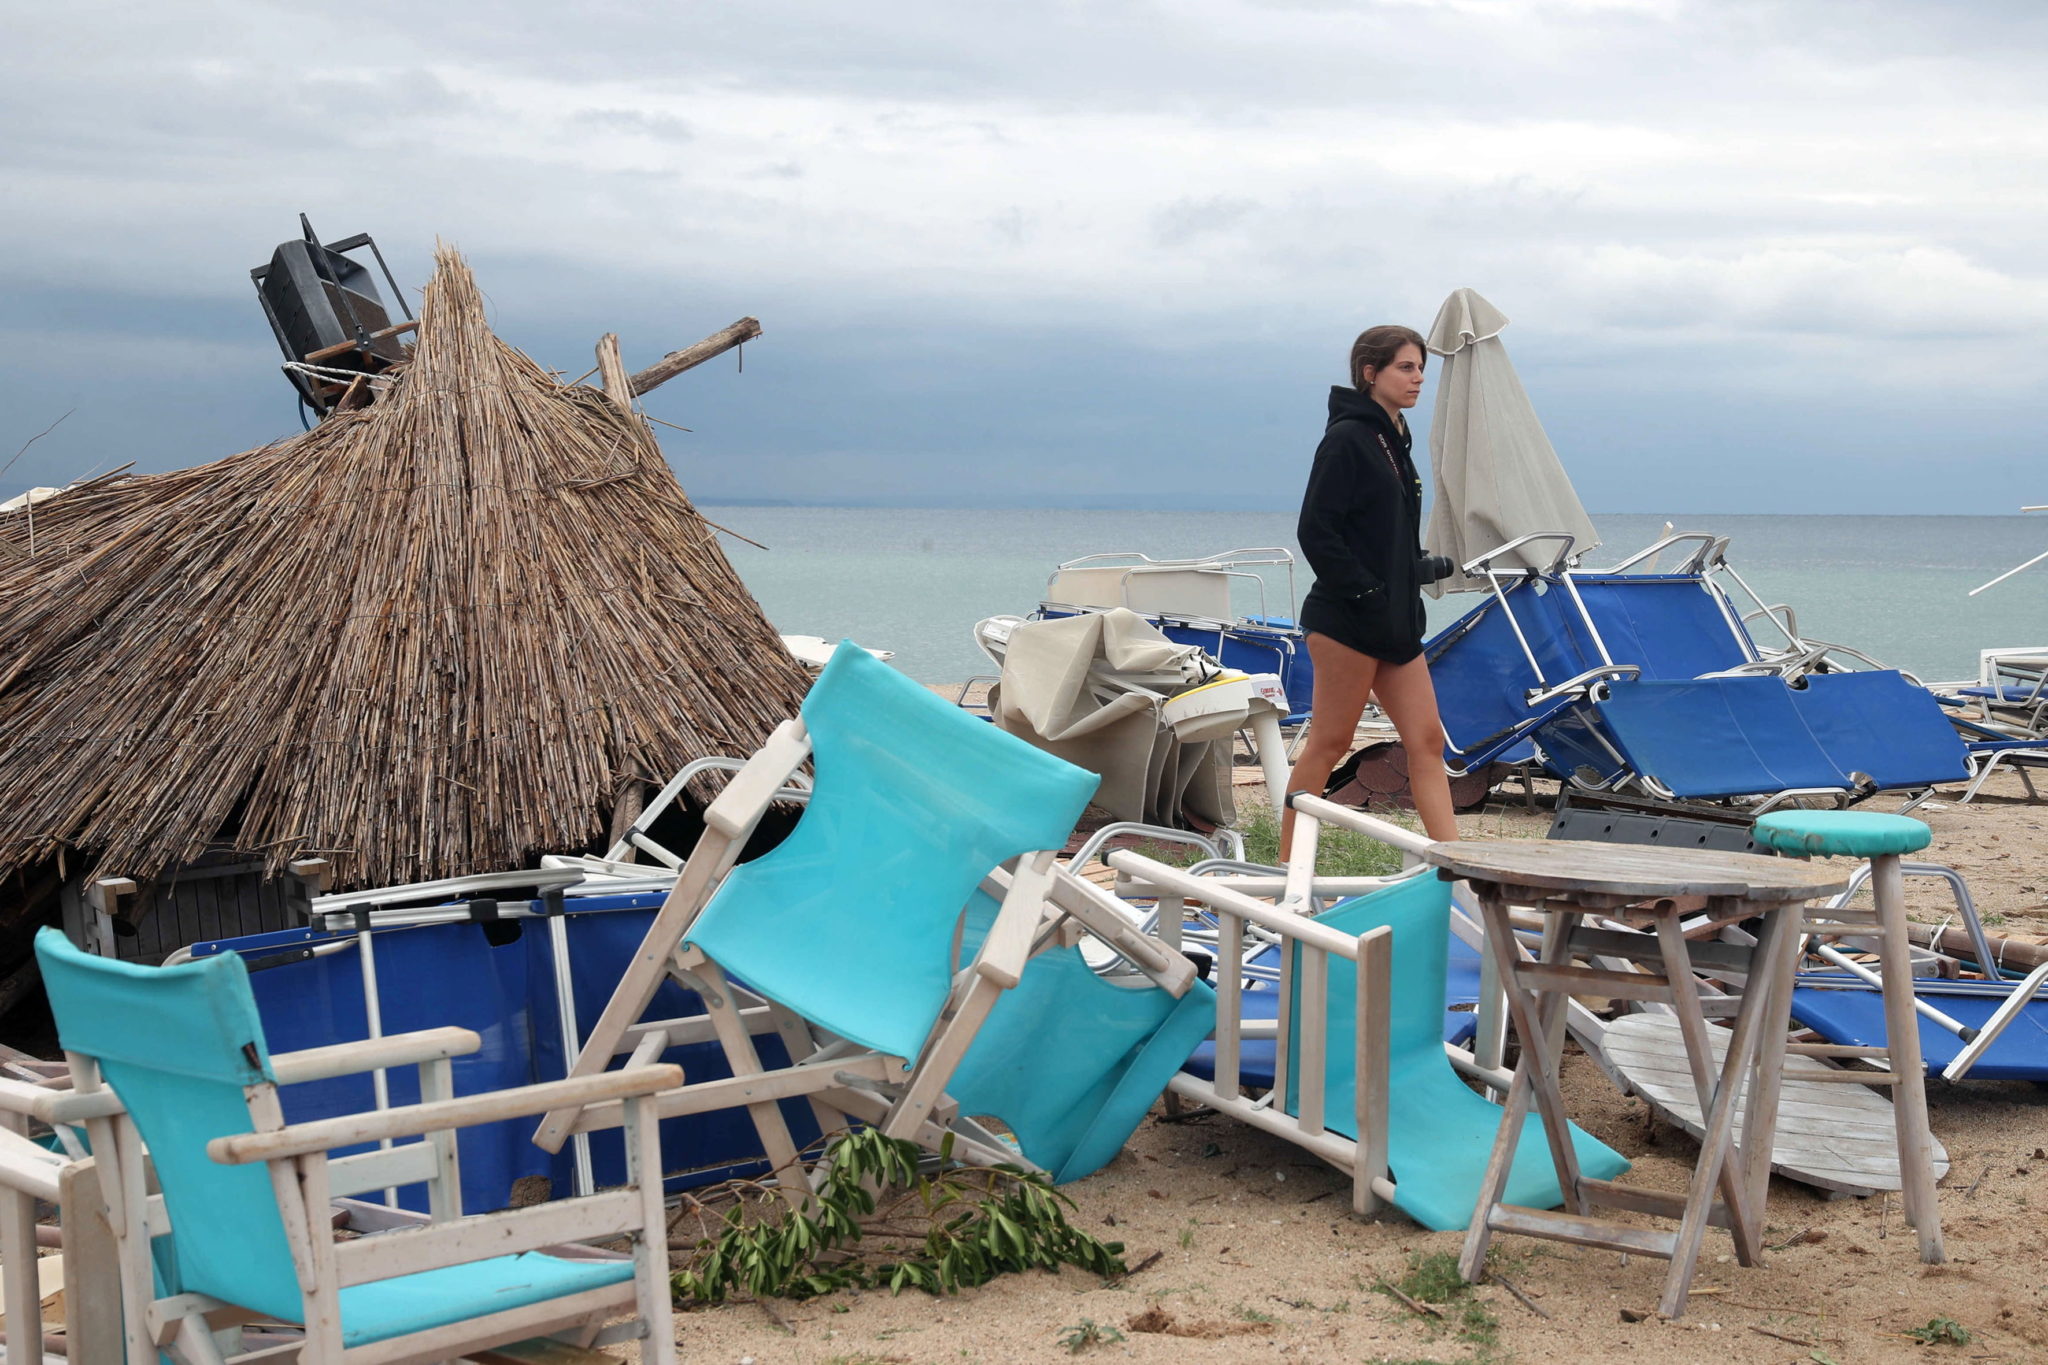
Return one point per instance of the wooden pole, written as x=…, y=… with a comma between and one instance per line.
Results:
x=675, y=362
x=613, y=371
x=2011, y=952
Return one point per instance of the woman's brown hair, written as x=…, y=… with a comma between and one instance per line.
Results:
x=1377, y=346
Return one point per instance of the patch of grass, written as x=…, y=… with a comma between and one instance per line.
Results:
x=1433, y=1279
x=1339, y=852
x=1088, y=1332
x=1187, y=1234
x=1940, y=1332
x=1250, y=1314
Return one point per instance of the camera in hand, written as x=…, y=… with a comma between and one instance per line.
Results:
x=1431, y=568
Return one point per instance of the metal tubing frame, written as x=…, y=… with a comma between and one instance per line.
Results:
x=1966, y=904
x=1693, y=563
x=1225, y=561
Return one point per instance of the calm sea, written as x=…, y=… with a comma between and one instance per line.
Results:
x=915, y=580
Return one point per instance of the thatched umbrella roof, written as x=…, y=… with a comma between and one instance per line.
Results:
x=430, y=637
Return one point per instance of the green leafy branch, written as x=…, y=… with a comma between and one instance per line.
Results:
x=875, y=1222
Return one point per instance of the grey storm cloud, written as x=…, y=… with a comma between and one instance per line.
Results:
x=1073, y=250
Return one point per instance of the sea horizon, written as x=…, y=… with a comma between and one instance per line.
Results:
x=1124, y=505
x=914, y=579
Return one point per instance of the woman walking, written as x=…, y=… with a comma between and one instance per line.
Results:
x=1361, y=529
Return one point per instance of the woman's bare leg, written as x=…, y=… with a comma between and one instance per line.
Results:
x=1344, y=680
x=1406, y=694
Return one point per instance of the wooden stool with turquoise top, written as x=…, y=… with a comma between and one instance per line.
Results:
x=1881, y=839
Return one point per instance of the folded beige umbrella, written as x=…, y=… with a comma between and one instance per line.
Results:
x=1089, y=688
x=1496, y=475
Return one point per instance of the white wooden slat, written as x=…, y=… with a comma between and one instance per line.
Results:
x=384, y=1169
x=374, y=1054
x=414, y=1119
x=92, y=1307
x=730, y=1092
x=1310, y=1069
x=411, y=1250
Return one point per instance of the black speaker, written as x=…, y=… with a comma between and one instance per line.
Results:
x=325, y=311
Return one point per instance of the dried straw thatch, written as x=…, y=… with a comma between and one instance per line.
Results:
x=430, y=637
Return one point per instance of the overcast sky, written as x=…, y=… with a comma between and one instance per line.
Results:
x=1763, y=257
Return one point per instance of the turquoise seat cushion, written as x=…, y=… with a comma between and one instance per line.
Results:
x=383, y=1309
x=1072, y=1062
x=1851, y=833
x=1440, y=1132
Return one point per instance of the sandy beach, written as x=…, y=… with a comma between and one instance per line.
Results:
x=1259, y=1257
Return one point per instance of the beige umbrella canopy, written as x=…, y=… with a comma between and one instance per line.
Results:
x=1496, y=475
x=434, y=636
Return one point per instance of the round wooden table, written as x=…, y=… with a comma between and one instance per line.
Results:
x=1653, y=890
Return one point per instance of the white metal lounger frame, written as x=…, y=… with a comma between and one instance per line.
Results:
x=1228, y=563
x=1499, y=575
x=1709, y=560
x=1977, y=1041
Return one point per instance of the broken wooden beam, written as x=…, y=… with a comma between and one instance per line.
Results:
x=2011, y=952
x=675, y=362
x=611, y=370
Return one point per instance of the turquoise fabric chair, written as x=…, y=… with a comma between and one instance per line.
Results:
x=183, y=1050
x=850, y=921
x=853, y=928
x=1440, y=1132
x=1072, y=1061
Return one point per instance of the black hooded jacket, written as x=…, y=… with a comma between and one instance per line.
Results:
x=1361, y=529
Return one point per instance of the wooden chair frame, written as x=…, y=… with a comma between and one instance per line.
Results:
x=1321, y=951
x=30, y=1172
x=305, y=1179
x=844, y=1083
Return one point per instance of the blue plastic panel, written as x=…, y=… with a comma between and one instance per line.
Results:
x=451, y=974
x=1879, y=724
x=1483, y=675
x=1841, y=1013
x=1717, y=737
x=1669, y=625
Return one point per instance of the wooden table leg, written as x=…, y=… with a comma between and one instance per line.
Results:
x=1718, y=1132
x=1903, y=1056
x=1760, y=1118
x=1550, y=1019
x=1537, y=1022
x=1699, y=1056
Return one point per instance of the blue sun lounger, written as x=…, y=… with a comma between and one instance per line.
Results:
x=1651, y=681
x=1508, y=666
x=1844, y=1009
